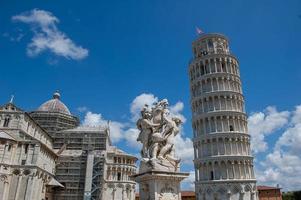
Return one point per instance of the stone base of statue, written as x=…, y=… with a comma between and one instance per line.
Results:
x=160, y=185
x=147, y=164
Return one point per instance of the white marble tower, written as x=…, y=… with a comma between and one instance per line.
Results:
x=223, y=160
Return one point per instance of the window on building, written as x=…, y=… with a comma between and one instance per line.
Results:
x=6, y=122
x=211, y=175
x=231, y=128
x=9, y=147
x=202, y=69
x=118, y=176
x=23, y=162
x=210, y=44
x=26, y=148
x=223, y=67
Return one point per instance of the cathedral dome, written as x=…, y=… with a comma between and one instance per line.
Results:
x=55, y=105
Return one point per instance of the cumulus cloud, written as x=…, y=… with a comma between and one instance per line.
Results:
x=283, y=168
x=131, y=135
x=82, y=109
x=139, y=102
x=14, y=38
x=184, y=149
x=188, y=182
x=175, y=110
x=46, y=36
x=262, y=124
x=283, y=164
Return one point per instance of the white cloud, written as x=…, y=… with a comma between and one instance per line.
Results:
x=82, y=109
x=291, y=138
x=296, y=119
x=131, y=136
x=14, y=38
x=188, y=183
x=139, y=102
x=265, y=123
x=283, y=165
x=283, y=168
x=93, y=119
x=48, y=37
x=116, y=131
x=184, y=149
x=176, y=110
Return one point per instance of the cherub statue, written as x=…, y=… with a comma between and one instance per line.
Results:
x=146, y=127
x=172, y=128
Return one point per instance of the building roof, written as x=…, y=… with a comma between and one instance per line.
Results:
x=4, y=135
x=54, y=105
x=117, y=151
x=263, y=187
x=54, y=183
x=85, y=129
x=187, y=193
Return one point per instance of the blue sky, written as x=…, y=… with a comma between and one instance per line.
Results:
x=115, y=51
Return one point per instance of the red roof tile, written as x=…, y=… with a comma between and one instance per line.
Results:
x=263, y=187
x=187, y=193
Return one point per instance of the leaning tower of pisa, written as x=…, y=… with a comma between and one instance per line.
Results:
x=222, y=155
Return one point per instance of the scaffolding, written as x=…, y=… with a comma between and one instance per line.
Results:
x=81, y=163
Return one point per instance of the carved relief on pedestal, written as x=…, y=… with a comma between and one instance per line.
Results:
x=168, y=193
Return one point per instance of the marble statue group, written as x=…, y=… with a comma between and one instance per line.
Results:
x=158, y=129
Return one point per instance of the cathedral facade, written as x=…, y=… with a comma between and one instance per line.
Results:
x=46, y=154
x=222, y=154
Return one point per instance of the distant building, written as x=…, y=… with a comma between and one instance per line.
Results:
x=119, y=166
x=46, y=155
x=269, y=193
x=27, y=157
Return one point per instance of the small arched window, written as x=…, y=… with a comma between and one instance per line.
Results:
x=9, y=147
x=202, y=69
x=223, y=67
x=231, y=128
x=26, y=148
x=210, y=44
x=118, y=176
x=211, y=175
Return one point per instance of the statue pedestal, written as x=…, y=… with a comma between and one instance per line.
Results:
x=160, y=185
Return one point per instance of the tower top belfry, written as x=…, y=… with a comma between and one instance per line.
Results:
x=210, y=44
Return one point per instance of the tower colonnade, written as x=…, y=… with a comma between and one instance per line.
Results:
x=221, y=146
x=222, y=153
